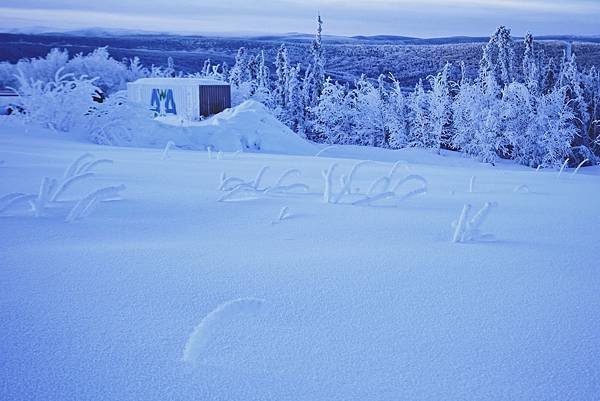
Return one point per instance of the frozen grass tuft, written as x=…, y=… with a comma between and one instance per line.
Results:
x=562, y=168
x=466, y=230
x=284, y=213
x=346, y=181
x=215, y=323
x=522, y=189
x=579, y=166
x=86, y=205
x=240, y=189
x=50, y=190
x=328, y=177
x=76, y=165
x=89, y=166
x=167, y=149
x=320, y=152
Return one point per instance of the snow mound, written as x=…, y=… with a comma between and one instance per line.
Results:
x=249, y=127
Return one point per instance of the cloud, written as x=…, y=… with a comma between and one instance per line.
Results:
x=424, y=18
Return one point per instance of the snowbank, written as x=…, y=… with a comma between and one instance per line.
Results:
x=249, y=127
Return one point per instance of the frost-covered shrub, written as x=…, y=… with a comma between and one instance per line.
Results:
x=113, y=121
x=112, y=74
x=37, y=69
x=61, y=104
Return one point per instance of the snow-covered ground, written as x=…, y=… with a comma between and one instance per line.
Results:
x=169, y=294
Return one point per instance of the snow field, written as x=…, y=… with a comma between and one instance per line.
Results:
x=364, y=302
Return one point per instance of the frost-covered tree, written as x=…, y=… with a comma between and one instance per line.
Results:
x=439, y=108
x=331, y=117
x=549, y=78
x=206, y=68
x=570, y=79
x=282, y=67
x=518, y=108
x=398, y=116
x=501, y=55
x=261, y=90
x=316, y=78
x=591, y=85
x=531, y=69
x=419, y=118
x=466, y=111
x=369, y=114
x=170, y=70
x=294, y=112
x=555, y=119
x=240, y=72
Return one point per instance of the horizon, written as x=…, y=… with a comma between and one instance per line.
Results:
x=428, y=19
x=48, y=30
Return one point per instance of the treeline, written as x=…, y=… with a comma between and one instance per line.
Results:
x=534, y=109
x=538, y=113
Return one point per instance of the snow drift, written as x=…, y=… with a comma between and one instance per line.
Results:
x=249, y=127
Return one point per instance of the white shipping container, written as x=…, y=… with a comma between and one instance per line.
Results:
x=177, y=96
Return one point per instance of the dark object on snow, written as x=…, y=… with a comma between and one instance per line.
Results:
x=98, y=96
x=8, y=101
x=214, y=99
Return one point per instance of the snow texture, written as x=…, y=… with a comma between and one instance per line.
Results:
x=364, y=303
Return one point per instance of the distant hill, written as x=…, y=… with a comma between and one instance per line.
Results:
x=407, y=58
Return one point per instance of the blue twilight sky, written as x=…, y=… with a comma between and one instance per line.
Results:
x=425, y=18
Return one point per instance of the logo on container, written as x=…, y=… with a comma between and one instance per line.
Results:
x=162, y=101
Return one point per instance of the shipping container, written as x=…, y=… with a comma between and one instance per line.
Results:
x=189, y=98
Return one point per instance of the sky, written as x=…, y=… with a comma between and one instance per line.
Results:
x=424, y=18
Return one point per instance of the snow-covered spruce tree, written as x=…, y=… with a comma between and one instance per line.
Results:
x=170, y=69
x=314, y=78
x=397, y=123
x=466, y=111
x=240, y=78
x=317, y=72
x=501, y=55
x=549, y=77
x=556, y=127
x=419, y=119
x=206, y=68
x=570, y=79
x=439, y=108
x=331, y=118
x=518, y=114
x=295, y=106
x=531, y=68
x=489, y=141
x=383, y=113
x=261, y=83
x=368, y=113
x=591, y=84
x=240, y=72
x=282, y=68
